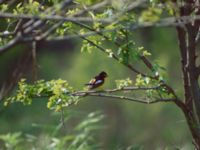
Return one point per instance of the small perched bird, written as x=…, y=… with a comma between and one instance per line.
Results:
x=97, y=81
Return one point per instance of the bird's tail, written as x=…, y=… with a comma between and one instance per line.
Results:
x=88, y=84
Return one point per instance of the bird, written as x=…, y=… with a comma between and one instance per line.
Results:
x=97, y=81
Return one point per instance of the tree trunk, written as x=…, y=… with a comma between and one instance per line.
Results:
x=187, y=36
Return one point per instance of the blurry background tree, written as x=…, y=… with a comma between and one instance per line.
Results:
x=39, y=40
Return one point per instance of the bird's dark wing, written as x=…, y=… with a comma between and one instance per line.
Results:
x=92, y=81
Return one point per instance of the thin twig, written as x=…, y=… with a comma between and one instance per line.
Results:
x=113, y=56
x=62, y=119
x=34, y=60
x=94, y=7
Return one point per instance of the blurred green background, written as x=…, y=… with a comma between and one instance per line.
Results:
x=149, y=127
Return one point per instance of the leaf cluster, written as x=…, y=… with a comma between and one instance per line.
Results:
x=82, y=136
x=58, y=93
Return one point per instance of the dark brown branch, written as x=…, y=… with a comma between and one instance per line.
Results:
x=147, y=63
x=191, y=68
x=183, y=51
x=188, y=37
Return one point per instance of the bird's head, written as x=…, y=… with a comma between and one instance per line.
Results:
x=103, y=74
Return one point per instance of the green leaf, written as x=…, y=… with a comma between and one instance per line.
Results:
x=152, y=14
x=139, y=81
x=3, y=7
x=11, y=140
x=146, y=53
x=123, y=83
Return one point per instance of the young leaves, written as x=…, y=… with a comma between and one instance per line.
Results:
x=57, y=91
x=123, y=83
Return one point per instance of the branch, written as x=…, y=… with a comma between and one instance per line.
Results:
x=143, y=101
x=94, y=7
x=32, y=24
x=54, y=17
x=52, y=10
x=144, y=59
x=81, y=12
x=114, y=57
x=68, y=37
x=169, y=21
x=83, y=93
x=103, y=50
x=48, y=32
x=104, y=93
